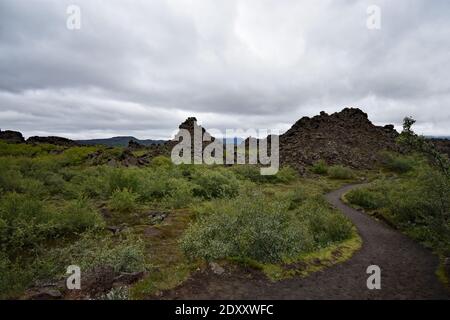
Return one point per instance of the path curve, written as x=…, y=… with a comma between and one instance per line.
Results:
x=407, y=271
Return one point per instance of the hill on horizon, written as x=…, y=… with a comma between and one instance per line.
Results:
x=119, y=141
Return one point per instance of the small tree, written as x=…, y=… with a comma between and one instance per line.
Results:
x=409, y=139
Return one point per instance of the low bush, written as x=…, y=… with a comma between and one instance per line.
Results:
x=365, y=198
x=397, y=163
x=126, y=254
x=180, y=195
x=26, y=222
x=14, y=277
x=123, y=200
x=161, y=161
x=286, y=174
x=340, y=172
x=256, y=227
x=216, y=183
x=78, y=215
x=326, y=226
x=418, y=204
x=246, y=229
x=320, y=167
x=120, y=178
x=253, y=173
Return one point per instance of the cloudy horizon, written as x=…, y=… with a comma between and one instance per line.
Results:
x=140, y=70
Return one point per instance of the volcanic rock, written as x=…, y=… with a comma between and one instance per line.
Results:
x=442, y=145
x=347, y=137
x=11, y=136
x=58, y=141
x=134, y=145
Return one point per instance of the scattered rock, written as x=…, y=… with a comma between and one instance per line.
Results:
x=157, y=216
x=134, y=145
x=46, y=294
x=106, y=213
x=125, y=279
x=116, y=229
x=98, y=281
x=216, y=268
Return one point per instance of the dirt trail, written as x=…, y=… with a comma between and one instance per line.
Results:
x=407, y=271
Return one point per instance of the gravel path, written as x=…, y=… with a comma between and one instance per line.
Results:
x=407, y=271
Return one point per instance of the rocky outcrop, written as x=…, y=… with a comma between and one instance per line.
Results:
x=347, y=137
x=134, y=145
x=11, y=136
x=442, y=145
x=58, y=141
x=191, y=126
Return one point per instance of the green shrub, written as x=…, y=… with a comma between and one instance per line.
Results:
x=418, y=204
x=180, y=195
x=320, y=167
x=286, y=175
x=397, y=163
x=294, y=198
x=365, y=198
x=89, y=183
x=14, y=277
x=253, y=173
x=119, y=179
x=123, y=200
x=161, y=161
x=211, y=184
x=247, y=229
x=26, y=150
x=340, y=172
x=326, y=226
x=126, y=254
x=78, y=215
x=155, y=184
x=26, y=222
x=123, y=253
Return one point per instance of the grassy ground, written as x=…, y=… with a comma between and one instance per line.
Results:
x=59, y=207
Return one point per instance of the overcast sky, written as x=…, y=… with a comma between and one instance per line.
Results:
x=141, y=67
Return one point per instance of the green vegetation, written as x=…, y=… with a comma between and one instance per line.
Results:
x=417, y=203
x=264, y=228
x=58, y=204
x=337, y=172
x=123, y=200
x=320, y=167
x=340, y=172
x=417, y=200
x=398, y=163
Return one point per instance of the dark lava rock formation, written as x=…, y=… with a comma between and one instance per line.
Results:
x=442, y=145
x=11, y=136
x=58, y=141
x=347, y=137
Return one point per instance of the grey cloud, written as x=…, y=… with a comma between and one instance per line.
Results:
x=142, y=68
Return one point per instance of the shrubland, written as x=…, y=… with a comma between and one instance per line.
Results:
x=53, y=202
x=414, y=195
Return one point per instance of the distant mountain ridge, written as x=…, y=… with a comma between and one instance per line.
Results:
x=120, y=141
